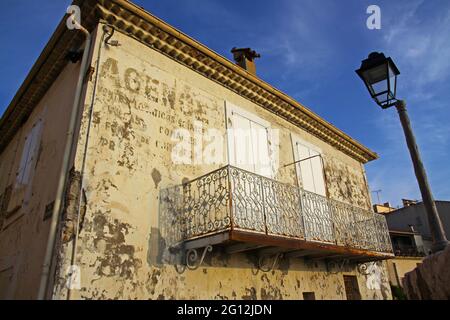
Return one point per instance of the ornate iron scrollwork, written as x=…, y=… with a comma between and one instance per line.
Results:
x=232, y=198
x=247, y=200
x=365, y=268
x=192, y=258
x=282, y=209
x=265, y=268
x=336, y=266
x=318, y=217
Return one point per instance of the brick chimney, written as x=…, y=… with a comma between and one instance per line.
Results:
x=245, y=58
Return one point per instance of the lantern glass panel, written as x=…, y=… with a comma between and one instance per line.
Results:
x=392, y=83
x=380, y=77
x=376, y=79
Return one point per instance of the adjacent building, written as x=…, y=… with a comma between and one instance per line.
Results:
x=409, y=253
x=189, y=177
x=412, y=219
x=410, y=235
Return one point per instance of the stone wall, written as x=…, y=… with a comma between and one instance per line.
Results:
x=430, y=280
x=398, y=267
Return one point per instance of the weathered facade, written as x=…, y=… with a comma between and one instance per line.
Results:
x=399, y=267
x=148, y=85
x=414, y=216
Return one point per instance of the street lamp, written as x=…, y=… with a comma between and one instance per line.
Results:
x=380, y=77
x=379, y=74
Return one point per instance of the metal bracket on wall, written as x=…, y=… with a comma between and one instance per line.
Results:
x=267, y=268
x=336, y=266
x=364, y=268
x=192, y=260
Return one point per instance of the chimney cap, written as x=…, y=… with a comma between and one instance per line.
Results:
x=409, y=203
x=247, y=52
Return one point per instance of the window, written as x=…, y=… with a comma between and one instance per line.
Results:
x=248, y=141
x=352, y=288
x=309, y=167
x=29, y=155
x=309, y=296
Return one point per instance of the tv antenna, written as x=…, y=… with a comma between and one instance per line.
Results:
x=378, y=192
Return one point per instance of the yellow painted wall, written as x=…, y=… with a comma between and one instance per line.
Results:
x=141, y=97
x=23, y=235
x=399, y=266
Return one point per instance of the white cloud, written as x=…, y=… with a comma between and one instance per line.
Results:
x=420, y=45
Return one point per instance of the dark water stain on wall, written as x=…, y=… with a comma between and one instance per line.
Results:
x=270, y=291
x=346, y=184
x=118, y=258
x=156, y=176
x=250, y=294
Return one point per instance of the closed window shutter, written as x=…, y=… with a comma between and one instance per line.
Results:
x=311, y=170
x=317, y=168
x=260, y=143
x=242, y=143
x=306, y=172
x=249, y=149
x=24, y=160
x=29, y=155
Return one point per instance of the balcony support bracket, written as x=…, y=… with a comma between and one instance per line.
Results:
x=367, y=267
x=193, y=260
x=335, y=266
x=268, y=268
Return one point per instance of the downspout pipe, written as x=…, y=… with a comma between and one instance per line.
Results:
x=107, y=35
x=63, y=175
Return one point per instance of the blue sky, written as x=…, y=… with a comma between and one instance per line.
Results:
x=310, y=49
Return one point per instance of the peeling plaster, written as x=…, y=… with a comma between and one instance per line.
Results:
x=141, y=98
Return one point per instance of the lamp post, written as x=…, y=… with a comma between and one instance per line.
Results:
x=379, y=74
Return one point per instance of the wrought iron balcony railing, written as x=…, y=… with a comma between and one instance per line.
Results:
x=408, y=251
x=233, y=199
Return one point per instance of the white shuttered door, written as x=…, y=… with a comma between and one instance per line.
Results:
x=249, y=143
x=316, y=211
x=310, y=169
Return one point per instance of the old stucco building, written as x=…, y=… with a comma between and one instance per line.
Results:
x=293, y=223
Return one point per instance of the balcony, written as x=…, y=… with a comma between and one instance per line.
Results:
x=408, y=251
x=241, y=211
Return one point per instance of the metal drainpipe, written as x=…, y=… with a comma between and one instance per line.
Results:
x=104, y=41
x=68, y=152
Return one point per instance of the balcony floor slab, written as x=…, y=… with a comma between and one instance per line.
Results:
x=234, y=241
